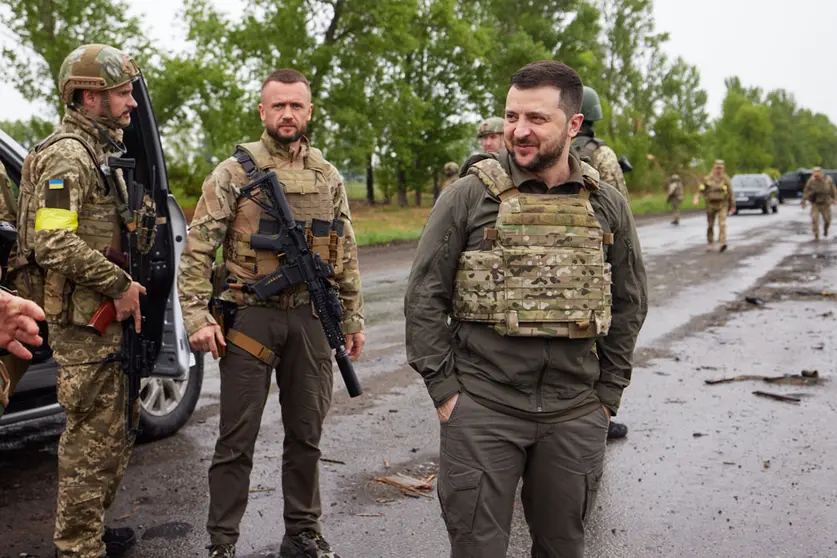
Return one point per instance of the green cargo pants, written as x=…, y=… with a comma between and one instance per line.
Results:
x=720, y=212
x=305, y=380
x=485, y=453
x=94, y=450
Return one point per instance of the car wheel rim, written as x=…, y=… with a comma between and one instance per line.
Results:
x=161, y=396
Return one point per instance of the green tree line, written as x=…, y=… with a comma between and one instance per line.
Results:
x=399, y=85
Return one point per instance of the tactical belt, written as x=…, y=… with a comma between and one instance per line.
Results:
x=247, y=343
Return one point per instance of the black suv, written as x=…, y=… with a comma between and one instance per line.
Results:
x=169, y=399
x=792, y=183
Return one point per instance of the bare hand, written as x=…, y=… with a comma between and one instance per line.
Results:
x=354, y=344
x=607, y=412
x=802, y=205
x=444, y=411
x=695, y=200
x=128, y=305
x=207, y=340
x=732, y=211
x=18, y=324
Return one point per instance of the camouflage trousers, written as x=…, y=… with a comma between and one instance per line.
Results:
x=721, y=213
x=94, y=450
x=817, y=210
x=675, y=209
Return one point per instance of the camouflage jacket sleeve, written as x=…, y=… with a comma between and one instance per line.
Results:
x=8, y=204
x=207, y=231
x=629, y=291
x=605, y=161
x=730, y=193
x=348, y=281
x=806, y=191
x=428, y=301
x=67, y=179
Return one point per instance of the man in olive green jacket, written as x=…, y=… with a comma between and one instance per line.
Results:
x=515, y=407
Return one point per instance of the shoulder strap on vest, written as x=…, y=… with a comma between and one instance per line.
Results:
x=252, y=156
x=585, y=146
x=315, y=160
x=591, y=177
x=495, y=178
x=54, y=138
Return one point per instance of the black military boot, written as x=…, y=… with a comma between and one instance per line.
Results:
x=221, y=551
x=118, y=540
x=308, y=544
x=616, y=430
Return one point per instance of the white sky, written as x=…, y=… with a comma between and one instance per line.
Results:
x=767, y=43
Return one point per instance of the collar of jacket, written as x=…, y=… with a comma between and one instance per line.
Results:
x=521, y=177
x=78, y=123
x=283, y=150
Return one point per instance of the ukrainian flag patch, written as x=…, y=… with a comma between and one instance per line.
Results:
x=56, y=184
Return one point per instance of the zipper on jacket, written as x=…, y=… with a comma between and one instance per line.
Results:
x=538, y=393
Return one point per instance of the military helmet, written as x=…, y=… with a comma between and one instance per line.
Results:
x=591, y=106
x=719, y=163
x=675, y=177
x=493, y=125
x=451, y=168
x=95, y=68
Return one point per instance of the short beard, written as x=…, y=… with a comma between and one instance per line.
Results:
x=285, y=139
x=546, y=160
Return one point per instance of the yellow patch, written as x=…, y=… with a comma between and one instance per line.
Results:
x=50, y=219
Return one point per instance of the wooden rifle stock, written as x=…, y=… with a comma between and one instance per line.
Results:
x=106, y=313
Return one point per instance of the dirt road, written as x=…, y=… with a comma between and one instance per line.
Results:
x=706, y=470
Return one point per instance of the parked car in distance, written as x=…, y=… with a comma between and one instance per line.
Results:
x=755, y=191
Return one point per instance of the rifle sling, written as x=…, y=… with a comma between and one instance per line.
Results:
x=247, y=343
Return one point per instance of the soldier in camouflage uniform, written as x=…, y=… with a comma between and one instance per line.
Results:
x=674, y=192
x=451, y=173
x=281, y=334
x=597, y=154
x=720, y=200
x=8, y=203
x=523, y=306
x=821, y=192
x=595, y=151
x=490, y=134
x=67, y=217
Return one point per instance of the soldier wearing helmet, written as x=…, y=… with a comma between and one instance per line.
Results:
x=490, y=134
x=451, y=174
x=68, y=214
x=595, y=151
x=674, y=191
x=821, y=192
x=597, y=154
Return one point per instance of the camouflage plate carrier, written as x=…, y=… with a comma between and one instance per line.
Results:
x=585, y=146
x=542, y=269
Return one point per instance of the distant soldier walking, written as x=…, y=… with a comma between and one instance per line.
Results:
x=821, y=192
x=451, y=173
x=720, y=199
x=674, y=190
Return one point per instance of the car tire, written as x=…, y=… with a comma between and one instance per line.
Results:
x=765, y=208
x=161, y=413
x=775, y=208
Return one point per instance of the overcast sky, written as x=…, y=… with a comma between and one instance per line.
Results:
x=767, y=43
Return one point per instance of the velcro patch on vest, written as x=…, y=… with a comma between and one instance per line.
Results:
x=298, y=181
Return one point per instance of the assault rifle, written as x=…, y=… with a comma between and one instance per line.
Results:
x=298, y=264
x=625, y=164
x=139, y=354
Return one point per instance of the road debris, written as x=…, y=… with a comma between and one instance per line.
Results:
x=335, y=461
x=777, y=397
x=754, y=300
x=379, y=514
x=806, y=378
x=411, y=486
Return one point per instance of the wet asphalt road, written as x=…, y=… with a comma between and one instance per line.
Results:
x=705, y=470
